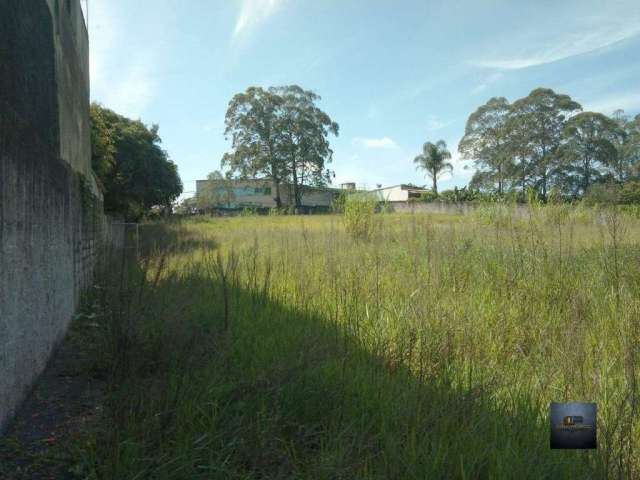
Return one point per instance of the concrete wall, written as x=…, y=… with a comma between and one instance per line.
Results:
x=72, y=78
x=445, y=208
x=51, y=222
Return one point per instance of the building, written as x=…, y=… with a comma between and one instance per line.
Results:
x=399, y=193
x=260, y=193
x=348, y=186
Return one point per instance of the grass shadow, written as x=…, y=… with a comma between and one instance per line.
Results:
x=211, y=379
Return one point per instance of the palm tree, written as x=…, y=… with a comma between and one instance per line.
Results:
x=433, y=161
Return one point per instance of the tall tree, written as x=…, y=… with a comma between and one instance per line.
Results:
x=433, y=160
x=280, y=133
x=485, y=139
x=134, y=172
x=544, y=113
x=627, y=162
x=253, y=120
x=589, y=148
x=305, y=129
x=521, y=152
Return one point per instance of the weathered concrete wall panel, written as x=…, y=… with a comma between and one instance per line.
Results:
x=72, y=80
x=51, y=225
x=446, y=208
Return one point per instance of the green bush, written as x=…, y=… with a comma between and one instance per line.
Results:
x=602, y=194
x=359, y=211
x=429, y=196
x=465, y=194
x=630, y=193
x=337, y=204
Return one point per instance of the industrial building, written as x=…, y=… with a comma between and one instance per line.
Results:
x=260, y=193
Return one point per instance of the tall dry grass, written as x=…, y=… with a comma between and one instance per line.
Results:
x=282, y=347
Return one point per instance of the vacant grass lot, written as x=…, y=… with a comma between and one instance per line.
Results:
x=281, y=347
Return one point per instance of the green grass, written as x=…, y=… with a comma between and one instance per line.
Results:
x=281, y=347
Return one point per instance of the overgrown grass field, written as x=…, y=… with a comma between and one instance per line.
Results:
x=428, y=347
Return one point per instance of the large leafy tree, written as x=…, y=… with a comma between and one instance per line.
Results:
x=626, y=165
x=253, y=121
x=282, y=134
x=433, y=161
x=521, y=167
x=134, y=172
x=588, y=149
x=543, y=114
x=304, y=139
x=485, y=141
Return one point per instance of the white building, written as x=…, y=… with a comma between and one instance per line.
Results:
x=398, y=193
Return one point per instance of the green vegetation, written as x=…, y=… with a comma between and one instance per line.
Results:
x=131, y=168
x=359, y=211
x=282, y=347
x=433, y=161
x=543, y=141
x=281, y=134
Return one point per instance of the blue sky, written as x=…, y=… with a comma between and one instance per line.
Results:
x=393, y=74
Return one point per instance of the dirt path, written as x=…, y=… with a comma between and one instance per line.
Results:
x=42, y=441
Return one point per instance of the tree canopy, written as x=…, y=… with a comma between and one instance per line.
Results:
x=588, y=149
x=133, y=171
x=544, y=141
x=485, y=139
x=279, y=133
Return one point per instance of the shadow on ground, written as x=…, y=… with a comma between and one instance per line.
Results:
x=207, y=379
x=214, y=380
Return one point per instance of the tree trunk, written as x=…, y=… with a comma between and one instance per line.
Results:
x=587, y=180
x=277, y=198
x=435, y=184
x=294, y=173
x=524, y=185
x=275, y=177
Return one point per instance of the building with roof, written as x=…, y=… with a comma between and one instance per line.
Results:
x=399, y=193
x=259, y=193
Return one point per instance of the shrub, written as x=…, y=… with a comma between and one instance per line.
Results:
x=602, y=194
x=248, y=212
x=429, y=196
x=337, y=204
x=359, y=211
x=630, y=193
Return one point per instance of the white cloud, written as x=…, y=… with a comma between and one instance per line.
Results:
x=384, y=142
x=629, y=102
x=588, y=35
x=252, y=13
x=434, y=123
